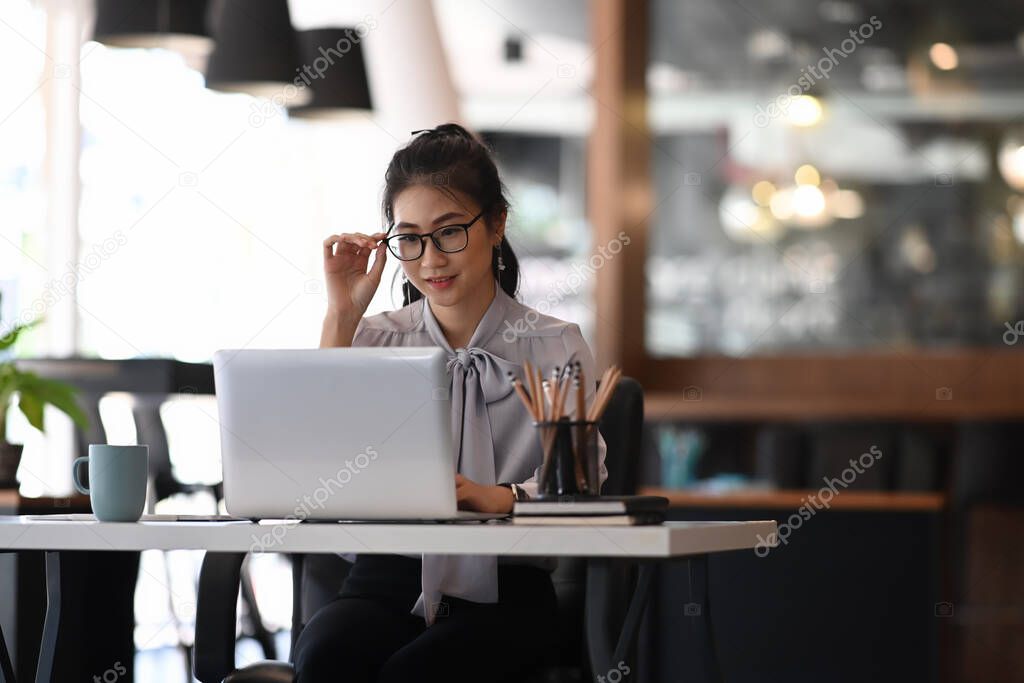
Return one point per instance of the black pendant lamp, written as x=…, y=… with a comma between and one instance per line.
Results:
x=178, y=25
x=334, y=71
x=255, y=51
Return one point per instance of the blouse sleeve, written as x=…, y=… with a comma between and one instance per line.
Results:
x=372, y=335
x=576, y=349
x=360, y=336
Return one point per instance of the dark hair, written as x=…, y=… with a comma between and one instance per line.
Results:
x=450, y=158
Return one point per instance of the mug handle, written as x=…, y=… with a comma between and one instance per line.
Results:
x=74, y=474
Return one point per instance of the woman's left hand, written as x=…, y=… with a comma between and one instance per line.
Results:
x=473, y=496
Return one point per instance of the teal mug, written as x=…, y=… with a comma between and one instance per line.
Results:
x=117, y=481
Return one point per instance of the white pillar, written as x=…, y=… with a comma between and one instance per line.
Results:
x=65, y=20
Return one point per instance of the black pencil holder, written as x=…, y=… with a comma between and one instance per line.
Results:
x=570, y=466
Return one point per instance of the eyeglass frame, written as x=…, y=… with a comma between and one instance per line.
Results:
x=423, y=246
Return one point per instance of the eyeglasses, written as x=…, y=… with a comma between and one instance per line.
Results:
x=449, y=239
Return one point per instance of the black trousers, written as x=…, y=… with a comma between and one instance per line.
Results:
x=367, y=633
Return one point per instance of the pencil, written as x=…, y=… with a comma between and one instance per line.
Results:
x=537, y=381
x=521, y=392
x=534, y=390
x=563, y=391
x=608, y=382
x=597, y=398
x=547, y=393
x=579, y=453
x=580, y=389
x=596, y=408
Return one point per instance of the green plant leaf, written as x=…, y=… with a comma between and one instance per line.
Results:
x=43, y=391
x=58, y=394
x=7, y=340
x=32, y=408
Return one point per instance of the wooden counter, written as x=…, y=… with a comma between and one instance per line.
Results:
x=792, y=499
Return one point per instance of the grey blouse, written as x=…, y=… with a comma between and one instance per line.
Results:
x=498, y=441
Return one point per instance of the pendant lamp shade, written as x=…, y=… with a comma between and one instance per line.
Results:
x=178, y=25
x=335, y=71
x=255, y=51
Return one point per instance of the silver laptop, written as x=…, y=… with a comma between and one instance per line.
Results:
x=337, y=434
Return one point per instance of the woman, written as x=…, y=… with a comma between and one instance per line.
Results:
x=452, y=618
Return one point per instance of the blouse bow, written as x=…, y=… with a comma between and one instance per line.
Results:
x=478, y=377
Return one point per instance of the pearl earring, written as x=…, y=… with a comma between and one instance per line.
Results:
x=501, y=259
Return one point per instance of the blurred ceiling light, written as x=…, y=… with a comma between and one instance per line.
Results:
x=884, y=77
x=1010, y=160
x=807, y=175
x=943, y=56
x=762, y=193
x=744, y=221
x=804, y=111
x=665, y=78
x=782, y=204
x=847, y=204
x=916, y=251
x=256, y=51
x=809, y=207
x=1018, y=223
x=341, y=89
x=839, y=11
x=766, y=44
x=176, y=25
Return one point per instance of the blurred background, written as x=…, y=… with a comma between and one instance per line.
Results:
x=798, y=223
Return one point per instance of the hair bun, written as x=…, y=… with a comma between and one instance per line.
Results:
x=446, y=129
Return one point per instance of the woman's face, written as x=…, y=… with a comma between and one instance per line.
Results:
x=444, y=278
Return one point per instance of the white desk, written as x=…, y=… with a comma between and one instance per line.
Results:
x=672, y=539
x=664, y=542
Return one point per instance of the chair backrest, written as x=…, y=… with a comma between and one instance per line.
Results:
x=622, y=427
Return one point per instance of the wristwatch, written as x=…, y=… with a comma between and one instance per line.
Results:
x=518, y=492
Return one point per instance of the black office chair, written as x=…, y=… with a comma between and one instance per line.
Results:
x=317, y=578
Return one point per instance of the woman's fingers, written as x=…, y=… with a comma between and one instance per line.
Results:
x=350, y=243
x=377, y=270
x=365, y=241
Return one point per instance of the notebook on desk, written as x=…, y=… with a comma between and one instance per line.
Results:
x=602, y=505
